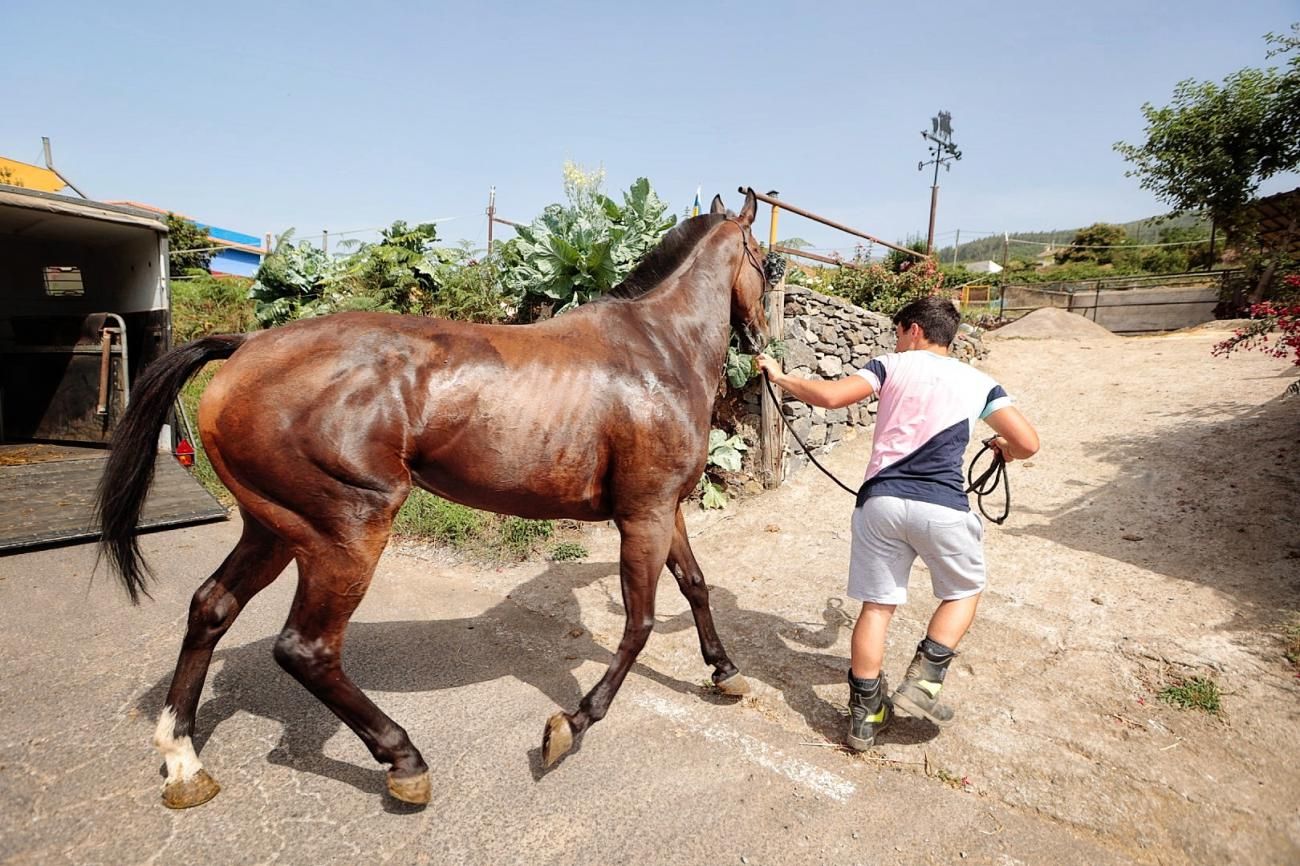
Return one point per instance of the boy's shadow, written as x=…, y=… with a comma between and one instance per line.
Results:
x=764, y=646
x=508, y=639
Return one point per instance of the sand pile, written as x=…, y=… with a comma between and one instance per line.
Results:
x=1051, y=323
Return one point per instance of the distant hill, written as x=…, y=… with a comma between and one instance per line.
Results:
x=1145, y=231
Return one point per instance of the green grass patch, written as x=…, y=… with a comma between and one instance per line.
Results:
x=478, y=534
x=519, y=536
x=424, y=515
x=1193, y=693
x=567, y=551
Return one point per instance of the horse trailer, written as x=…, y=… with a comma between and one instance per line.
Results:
x=84, y=307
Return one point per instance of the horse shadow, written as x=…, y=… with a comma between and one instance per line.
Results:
x=509, y=639
x=791, y=658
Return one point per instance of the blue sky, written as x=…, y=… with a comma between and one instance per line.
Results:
x=262, y=116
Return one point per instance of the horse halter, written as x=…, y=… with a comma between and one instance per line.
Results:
x=772, y=268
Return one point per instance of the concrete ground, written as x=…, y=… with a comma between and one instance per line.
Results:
x=472, y=668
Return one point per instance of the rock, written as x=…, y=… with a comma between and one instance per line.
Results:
x=798, y=354
x=830, y=366
x=836, y=416
x=816, y=435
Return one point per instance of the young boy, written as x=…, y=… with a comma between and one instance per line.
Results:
x=913, y=503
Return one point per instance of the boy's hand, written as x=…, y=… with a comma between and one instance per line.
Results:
x=1000, y=445
x=770, y=367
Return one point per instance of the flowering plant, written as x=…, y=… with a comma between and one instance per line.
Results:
x=1274, y=326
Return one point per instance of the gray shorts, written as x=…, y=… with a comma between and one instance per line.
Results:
x=889, y=533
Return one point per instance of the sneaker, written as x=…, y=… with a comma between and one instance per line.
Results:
x=918, y=694
x=869, y=714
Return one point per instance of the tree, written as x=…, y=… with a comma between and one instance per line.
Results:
x=1097, y=243
x=1211, y=147
x=189, y=246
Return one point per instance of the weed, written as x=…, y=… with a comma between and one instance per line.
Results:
x=519, y=535
x=1198, y=693
x=1291, y=643
x=565, y=551
x=424, y=515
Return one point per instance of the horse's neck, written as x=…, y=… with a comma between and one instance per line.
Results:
x=692, y=312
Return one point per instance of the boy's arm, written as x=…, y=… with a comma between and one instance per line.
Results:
x=1017, y=439
x=834, y=394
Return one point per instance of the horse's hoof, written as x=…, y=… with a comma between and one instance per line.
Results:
x=734, y=685
x=557, y=740
x=411, y=789
x=194, y=791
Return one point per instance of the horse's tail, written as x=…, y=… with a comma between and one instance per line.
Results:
x=129, y=468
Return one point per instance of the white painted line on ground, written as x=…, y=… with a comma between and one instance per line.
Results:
x=814, y=778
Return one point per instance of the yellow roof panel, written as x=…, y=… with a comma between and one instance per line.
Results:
x=22, y=174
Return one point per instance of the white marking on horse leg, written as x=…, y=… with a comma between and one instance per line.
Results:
x=182, y=762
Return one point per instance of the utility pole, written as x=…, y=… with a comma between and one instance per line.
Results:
x=943, y=152
x=491, y=215
x=955, y=246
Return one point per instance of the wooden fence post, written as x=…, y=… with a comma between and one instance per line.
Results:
x=772, y=433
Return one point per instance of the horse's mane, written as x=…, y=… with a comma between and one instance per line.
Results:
x=667, y=257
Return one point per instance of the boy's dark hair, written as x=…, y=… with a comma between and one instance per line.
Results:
x=937, y=316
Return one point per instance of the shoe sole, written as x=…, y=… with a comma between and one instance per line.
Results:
x=904, y=703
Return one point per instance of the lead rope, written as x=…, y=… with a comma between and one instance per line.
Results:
x=983, y=486
x=790, y=427
x=988, y=482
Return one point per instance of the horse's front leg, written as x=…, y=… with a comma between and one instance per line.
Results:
x=644, y=548
x=690, y=580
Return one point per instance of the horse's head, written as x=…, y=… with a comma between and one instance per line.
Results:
x=750, y=283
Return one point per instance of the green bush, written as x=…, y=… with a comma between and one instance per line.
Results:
x=401, y=273
x=203, y=471
x=203, y=304
x=576, y=252
x=874, y=286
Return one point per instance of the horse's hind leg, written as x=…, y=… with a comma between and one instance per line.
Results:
x=332, y=581
x=645, y=544
x=257, y=559
x=690, y=579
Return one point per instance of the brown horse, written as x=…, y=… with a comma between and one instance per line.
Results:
x=320, y=429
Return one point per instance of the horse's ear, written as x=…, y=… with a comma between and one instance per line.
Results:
x=717, y=206
x=746, y=215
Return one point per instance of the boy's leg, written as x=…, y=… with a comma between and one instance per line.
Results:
x=878, y=569
x=869, y=706
x=867, y=650
x=951, y=544
x=952, y=619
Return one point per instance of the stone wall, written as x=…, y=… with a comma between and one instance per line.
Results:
x=826, y=338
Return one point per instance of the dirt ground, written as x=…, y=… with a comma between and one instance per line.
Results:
x=1153, y=538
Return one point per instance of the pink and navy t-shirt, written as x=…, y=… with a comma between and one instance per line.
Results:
x=928, y=408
